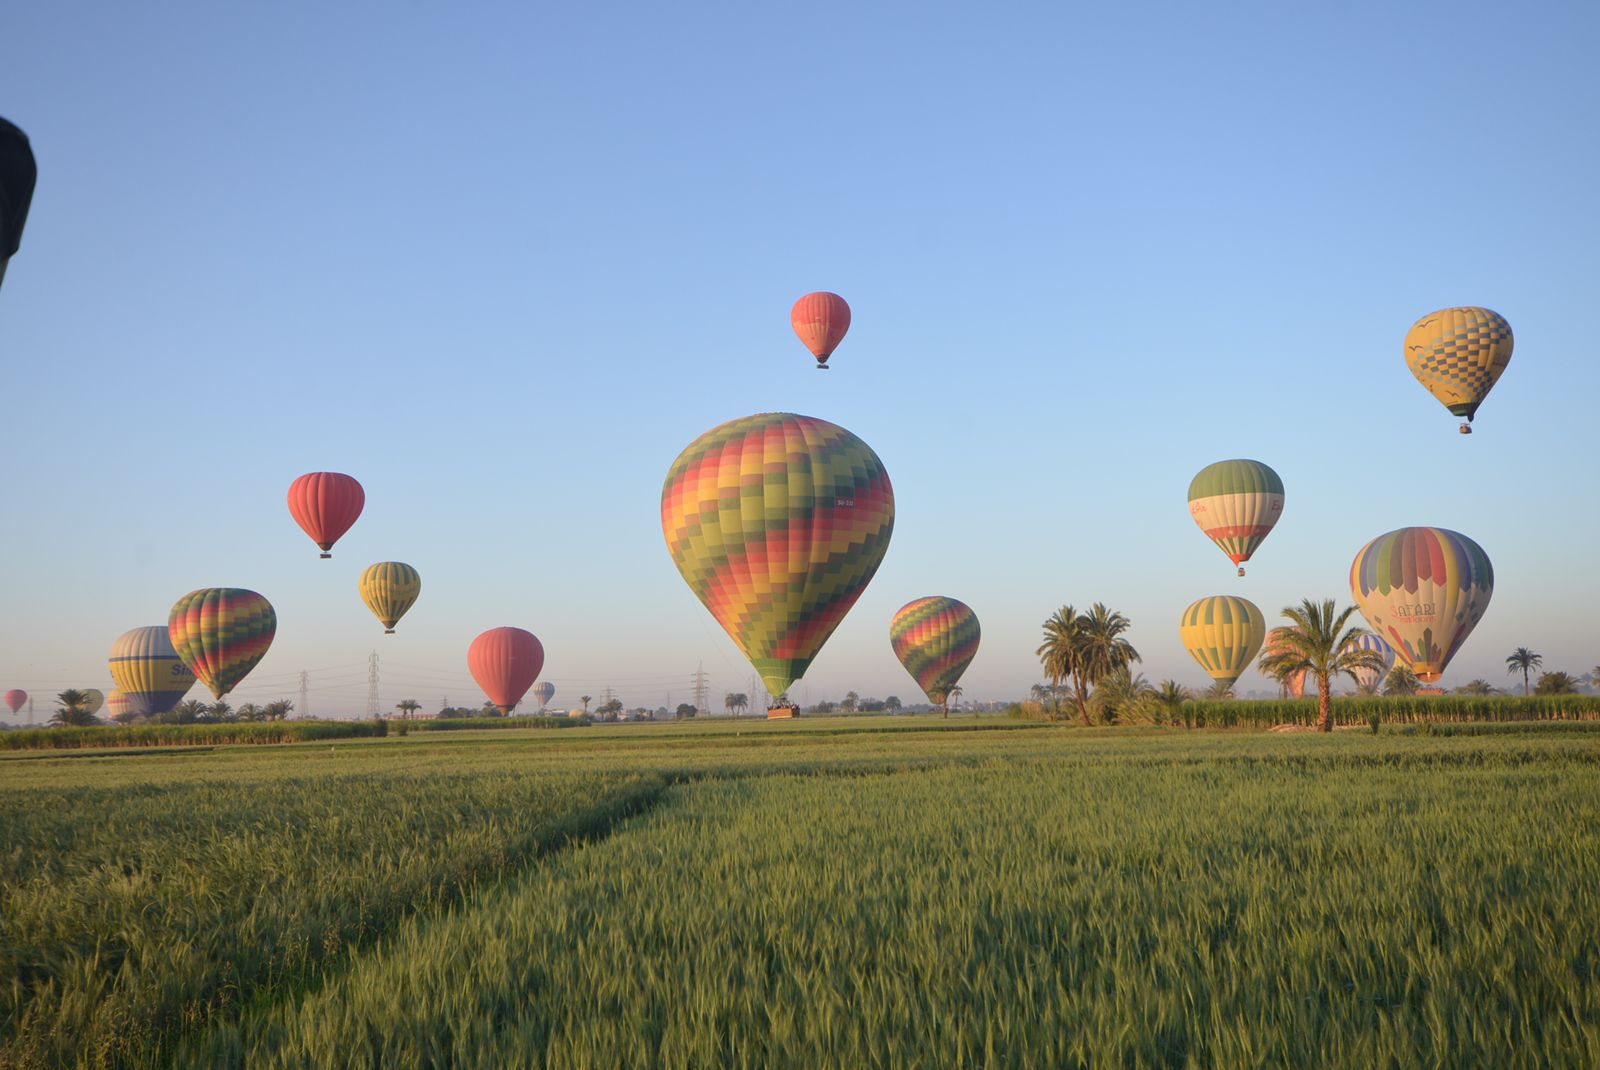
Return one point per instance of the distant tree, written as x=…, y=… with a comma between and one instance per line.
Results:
x=892, y=704
x=662, y=713
x=1122, y=695
x=221, y=712
x=489, y=709
x=1524, y=660
x=824, y=706
x=741, y=701
x=450, y=713
x=585, y=700
x=1085, y=648
x=186, y=712
x=1217, y=692
x=1555, y=683
x=730, y=702
x=685, y=711
x=953, y=698
x=610, y=710
x=72, y=709
x=278, y=709
x=408, y=706
x=1167, y=701
x=850, y=701
x=1316, y=641
x=1401, y=681
x=251, y=712
x=1477, y=687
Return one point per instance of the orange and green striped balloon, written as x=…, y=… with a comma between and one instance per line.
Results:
x=1236, y=503
x=221, y=633
x=777, y=523
x=1223, y=633
x=935, y=638
x=389, y=588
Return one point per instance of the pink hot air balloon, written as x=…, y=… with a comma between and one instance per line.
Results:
x=16, y=698
x=325, y=504
x=821, y=320
x=505, y=662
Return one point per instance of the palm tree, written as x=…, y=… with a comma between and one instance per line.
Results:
x=729, y=702
x=851, y=699
x=188, y=711
x=1556, y=683
x=72, y=709
x=1102, y=651
x=1524, y=659
x=278, y=709
x=953, y=695
x=251, y=712
x=1401, y=681
x=1218, y=692
x=585, y=700
x=1169, y=699
x=220, y=711
x=1476, y=687
x=892, y=703
x=1059, y=651
x=407, y=707
x=1121, y=695
x=741, y=701
x=1316, y=641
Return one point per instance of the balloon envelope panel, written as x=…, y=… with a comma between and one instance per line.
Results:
x=935, y=638
x=148, y=671
x=1236, y=503
x=222, y=633
x=1423, y=590
x=1223, y=633
x=777, y=522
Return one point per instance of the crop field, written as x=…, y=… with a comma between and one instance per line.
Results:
x=890, y=893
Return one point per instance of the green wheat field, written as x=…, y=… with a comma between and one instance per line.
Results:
x=873, y=893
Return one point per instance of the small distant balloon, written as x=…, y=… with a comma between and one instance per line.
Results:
x=821, y=319
x=325, y=505
x=544, y=692
x=505, y=662
x=1236, y=503
x=389, y=588
x=1369, y=679
x=1223, y=633
x=93, y=699
x=1458, y=354
x=221, y=633
x=118, y=705
x=16, y=698
x=935, y=638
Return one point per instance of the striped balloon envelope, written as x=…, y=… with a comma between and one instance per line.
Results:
x=821, y=320
x=1458, y=354
x=544, y=692
x=147, y=670
x=1223, y=633
x=389, y=588
x=222, y=633
x=118, y=705
x=1236, y=503
x=935, y=638
x=93, y=699
x=1295, y=684
x=777, y=522
x=1369, y=679
x=1422, y=590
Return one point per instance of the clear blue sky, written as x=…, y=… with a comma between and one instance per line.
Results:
x=503, y=262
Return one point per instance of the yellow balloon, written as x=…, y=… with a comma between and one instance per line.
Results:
x=94, y=698
x=389, y=588
x=1458, y=354
x=1223, y=633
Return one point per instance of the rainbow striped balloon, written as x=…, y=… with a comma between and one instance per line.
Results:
x=221, y=633
x=1423, y=590
x=935, y=638
x=1223, y=633
x=777, y=522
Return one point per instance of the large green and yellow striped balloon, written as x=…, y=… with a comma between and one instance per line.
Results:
x=777, y=523
x=221, y=633
x=935, y=638
x=389, y=588
x=147, y=669
x=1223, y=633
x=1236, y=503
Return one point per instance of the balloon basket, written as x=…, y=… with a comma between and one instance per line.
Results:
x=324, y=556
x=1241, y=570
x=388, y=631
x=783, y=712
x=1466, y=429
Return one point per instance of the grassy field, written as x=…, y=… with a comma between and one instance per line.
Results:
x=891, y=892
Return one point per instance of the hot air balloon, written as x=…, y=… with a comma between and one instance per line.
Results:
x=821, y=320
x=505, y=662
x=1369, y=679
x=388, y=588
x=1223, y=633
x=1458, y=355
x=1422, y=590
x=16, y=698
x=18, y=173
x=935, y=638
x=544, y=693
x=1295, y=684
x=119, y=705
x=777, y=523
x=1236, y=503
x=221, y=633
x=325, y=504
x=148, y=671
x=93, y=699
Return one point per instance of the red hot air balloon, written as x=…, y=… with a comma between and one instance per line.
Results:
x=505, y=662
x=325, y=504
x=15, y=698
x=821, y=320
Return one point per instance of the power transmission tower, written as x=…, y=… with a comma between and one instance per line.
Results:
x=700, y=688
x=30, y=711
x=305, y=687
x=372, y=684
